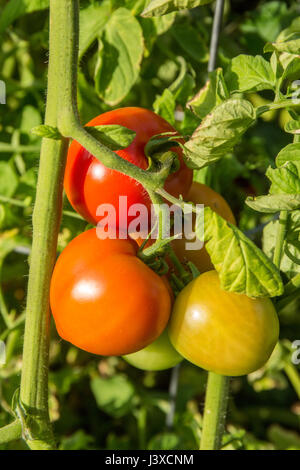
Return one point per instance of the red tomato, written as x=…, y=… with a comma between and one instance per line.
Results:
x=88, y=183
x=104, y=299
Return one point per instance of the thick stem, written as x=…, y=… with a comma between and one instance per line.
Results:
x=281, y=232
x=46, y=222
x=214, y=411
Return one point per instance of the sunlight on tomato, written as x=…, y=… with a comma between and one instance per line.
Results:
x=104, y=299
x=223, y=332
x=159, y=355
x=202, y=194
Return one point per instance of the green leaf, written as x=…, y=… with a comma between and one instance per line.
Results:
x=211, y=95
x=243, y=268
x=92, y=22
x=112, y=135
x=16, y=8
x=288, y=40
x=77, y=441
x=285, y=180
x=290, y=153
x=9, y=240
x=161, y=7
x=8, y=180
x=219, y=131
x=292, y=127
x=48, y=132
x=119, y=57
x=291, y=66
x=191, y=41
x=246, y=73
x=164, y=105
x=273, y=203
x=114, y=395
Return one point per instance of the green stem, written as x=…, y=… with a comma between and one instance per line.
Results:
x=281, y=232
x=9, y=148
x=11, y=432
x=46, y=221
x=293, y=376
x=15, y=202
x=214, y=411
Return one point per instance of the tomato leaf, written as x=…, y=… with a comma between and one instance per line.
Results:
x=243, y=268
x=161, y=7
x=113, y=136
x=285, y=180
x=290, y=153
x=114, y=395
x=292, y=127
x=273, y=203
x=219, y=131
x=8, y=179
x=16, y=8
x=190, y=41
x=211, y=95
x=164, y=105
x=92, y=22
x=246, y=73
x=288, y=40
x=119, y=56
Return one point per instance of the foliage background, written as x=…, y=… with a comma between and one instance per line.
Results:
x=98, y=403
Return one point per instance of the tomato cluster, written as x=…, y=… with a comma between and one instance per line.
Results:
x=107, y=301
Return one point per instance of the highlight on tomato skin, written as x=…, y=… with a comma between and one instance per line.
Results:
x=88, y=183
x=202, y=194
x=104, y=299
x=159, y=355
x=223, y=332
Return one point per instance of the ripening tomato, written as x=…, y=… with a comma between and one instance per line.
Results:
x=202, y=194
x=159, y=355
x=88, y=183
x=104, y=299
x=223, y=332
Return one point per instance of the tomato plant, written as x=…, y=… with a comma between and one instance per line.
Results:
x=221, y=78
x=224, y=332
x=88, y=183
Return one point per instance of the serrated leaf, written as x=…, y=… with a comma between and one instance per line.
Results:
x=220, y=131
x=164, y=105
x=211, y=95
x=113, y=136
x=285, y=180
x=243, y=268
x=161, y=7
x=273, y=203
x=16, y=8
x=92, y=20
x=246, y=73
x=119, y=57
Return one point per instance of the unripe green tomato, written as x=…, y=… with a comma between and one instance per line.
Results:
x=220, y=331
x=159, y=355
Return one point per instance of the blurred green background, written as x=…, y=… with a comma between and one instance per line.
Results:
x=104, y=403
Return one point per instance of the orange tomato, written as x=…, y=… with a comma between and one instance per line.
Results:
x=104, y=299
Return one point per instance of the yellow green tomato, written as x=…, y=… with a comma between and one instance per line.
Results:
x=220, y=331
x=159, y=355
